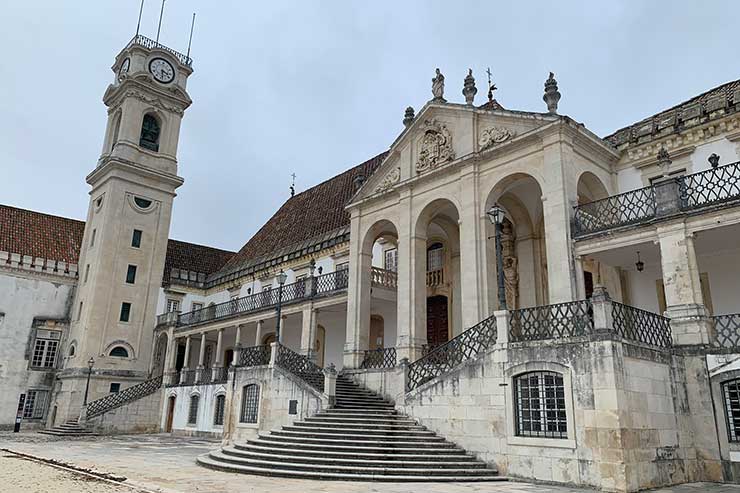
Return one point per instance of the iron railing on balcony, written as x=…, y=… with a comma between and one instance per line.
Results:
x=384, y=278
x=331, y=282
x=173, y=379
x=726, y=331
x=379, y=358
x=188, y=377
x=639, y=325
x=203, y=376
x=574, y=318
x=126, y=396
x=624, y=209
x=151, y=44
x=710, y=187
x=300, y=366
x=253, y=356
x=444, y=357
x=219, y=375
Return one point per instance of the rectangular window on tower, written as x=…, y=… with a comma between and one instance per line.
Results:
x=92, y=238
x=131, y=274
x=136, y=239
x=125, y=312
x=87, y=272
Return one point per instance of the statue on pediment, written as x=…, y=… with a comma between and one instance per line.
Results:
x=435, y=146
x=438, y=87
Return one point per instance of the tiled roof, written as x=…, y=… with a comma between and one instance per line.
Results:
x=693, y=111
x=313, y=213
x=40, y=235
x=491, y=105
x=197, y=258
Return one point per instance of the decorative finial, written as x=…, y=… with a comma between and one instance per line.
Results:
x=469, y=89
x=408, y=116
x=491, y=87
x=438, y=87
x=664, y=160
x=714, y=160
x=292, y=186
x=552, y=96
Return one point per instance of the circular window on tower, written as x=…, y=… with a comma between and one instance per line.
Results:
x=141, y=204
x=98, y=203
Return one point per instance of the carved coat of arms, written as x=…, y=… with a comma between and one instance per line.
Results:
x=435, y=146
x=493, y=136
x=393, y=177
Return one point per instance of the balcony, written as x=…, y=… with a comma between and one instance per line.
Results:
x=150, y=44
x=384, y=278
x=435, y=278
x=691, y=194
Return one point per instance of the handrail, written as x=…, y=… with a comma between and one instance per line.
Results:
x=150, y=44
x=379, y=358
x=709, y=187
x=559, y=320
x=384, y=278
x=253, y=356
x=636, y=324
x=726, y=332
x=614, y=211
x=126, y=396
x=300, y=366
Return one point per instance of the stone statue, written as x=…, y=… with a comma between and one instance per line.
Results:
x=511, y=282
x=438, y=87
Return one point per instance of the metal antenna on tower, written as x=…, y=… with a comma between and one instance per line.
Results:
x=190, y=41
x=138, y=23
x=159, y=27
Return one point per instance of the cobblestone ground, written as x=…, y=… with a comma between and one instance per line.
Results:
x=166, y=464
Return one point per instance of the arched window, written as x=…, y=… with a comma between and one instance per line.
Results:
x=539, y=400
x=218, y=414
x=71, y=351
x=193, y=409
x=731, y=396
x=119, y=352
x=250, y=403
x=150, y=130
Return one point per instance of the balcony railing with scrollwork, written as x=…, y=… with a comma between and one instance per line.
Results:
x=384, y=278
x=300, y=366
x=726, y=332
x=150, y=44
x=379, y=358
x=616, y=211
x=639, y=325
x=253, y=356
x=188, y=377
x=203, y=376
x=126, y=396
x=220, y=375
x=331, y=282
x=571, y=319
x=468, y=345
x=713, y=186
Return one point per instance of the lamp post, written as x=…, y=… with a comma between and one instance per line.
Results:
x=496, y=216
x=90, y=364
x=281, y=278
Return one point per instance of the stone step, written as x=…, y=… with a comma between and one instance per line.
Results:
x=360, y=412
x=358, y=430
x=207, y=461
x=353, y=440
x=358, y=435
x=351, y=446
x=364, y=425
x=357, y=453
x=340, y=420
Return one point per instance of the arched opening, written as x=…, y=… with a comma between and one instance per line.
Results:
x=71, y=351
x=119, y=352
x=523, y=243
x=590, y=188
x=268, y=339
x=150, y=133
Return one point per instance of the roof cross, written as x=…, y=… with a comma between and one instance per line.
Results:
x=292, y=185
x=491, y=87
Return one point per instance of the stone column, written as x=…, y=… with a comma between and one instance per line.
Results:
x=580, y=278
x=690, y=323
x=502, y=326
x=237, y=345
x=258, y=333
x=202, y=353
x=330, y=384
x=308, y=331
x=186, y=362
x=472, y=239
x=219, y=348
x=358, y=298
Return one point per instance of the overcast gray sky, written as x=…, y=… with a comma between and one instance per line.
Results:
x=314, y=87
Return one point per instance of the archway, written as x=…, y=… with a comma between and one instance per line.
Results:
x=590, y=188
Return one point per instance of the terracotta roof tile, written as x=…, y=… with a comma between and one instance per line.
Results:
x=40, y=235
x=197, y=258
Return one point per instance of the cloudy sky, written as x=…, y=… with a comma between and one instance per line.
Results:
x=314, y=87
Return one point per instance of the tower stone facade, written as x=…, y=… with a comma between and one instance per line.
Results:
x=125, y=240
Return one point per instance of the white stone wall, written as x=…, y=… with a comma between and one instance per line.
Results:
x=206, y=409
x=140, y=416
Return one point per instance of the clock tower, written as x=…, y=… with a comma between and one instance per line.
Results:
x=125, y=241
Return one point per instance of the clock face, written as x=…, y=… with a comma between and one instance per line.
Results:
x=162, y=70
x=124, y=68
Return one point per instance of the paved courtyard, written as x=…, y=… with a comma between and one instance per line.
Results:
x=166, y=464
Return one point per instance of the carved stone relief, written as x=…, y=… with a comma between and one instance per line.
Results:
x=435, y=146
x=494, y=135
x=390, y=179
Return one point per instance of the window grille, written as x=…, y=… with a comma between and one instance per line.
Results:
x=193, y=410
x=149, y=138
x=540, y=405
x=35, y=404
x=731, y=393
x=250, y=403
x=391, y=260
x=45, y=348
x=435, y=257
x=218, y=416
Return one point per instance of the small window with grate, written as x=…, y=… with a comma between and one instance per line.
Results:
x=731, y=396
x=131, y=274
x=539, y=399
x=45, y=348
x=193, y=410
x=35, y=404
x=119, y=352
x=150, y=130
x=250, y=403
x=125, y=312
x=218, y=413
x=115, y=388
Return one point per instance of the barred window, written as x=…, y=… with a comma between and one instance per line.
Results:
x=250, y=403
x=731, y=394
x=45, y=348
x=193, y=410
x=540, y=405
x=218, y=415
x=35, y=404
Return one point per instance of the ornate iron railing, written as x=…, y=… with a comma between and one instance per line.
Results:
x=726, y=331
x=713, y=186
x=384, y=278
x=333, y=281
x=641, y=325
x=618, y=210
x=126, y=396
x=203, y=376
x=574, y=318
x=301, y=367
x=151, y=44
x=443, y=358
x=379, y=358
x=253, y=356
x=220, y=375
x=187, y=377
x=173, y=379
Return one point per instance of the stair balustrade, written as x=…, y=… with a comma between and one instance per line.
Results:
x=379, y=358
x=726, y=333
x=560, y=320
x=300, y=366
x=126, y=396
x=253, y=356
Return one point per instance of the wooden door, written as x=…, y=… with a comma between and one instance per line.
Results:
x=437, y=329
x=170, y=414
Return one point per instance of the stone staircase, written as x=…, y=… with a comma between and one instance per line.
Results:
x=68, y=429
x=363, y=438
